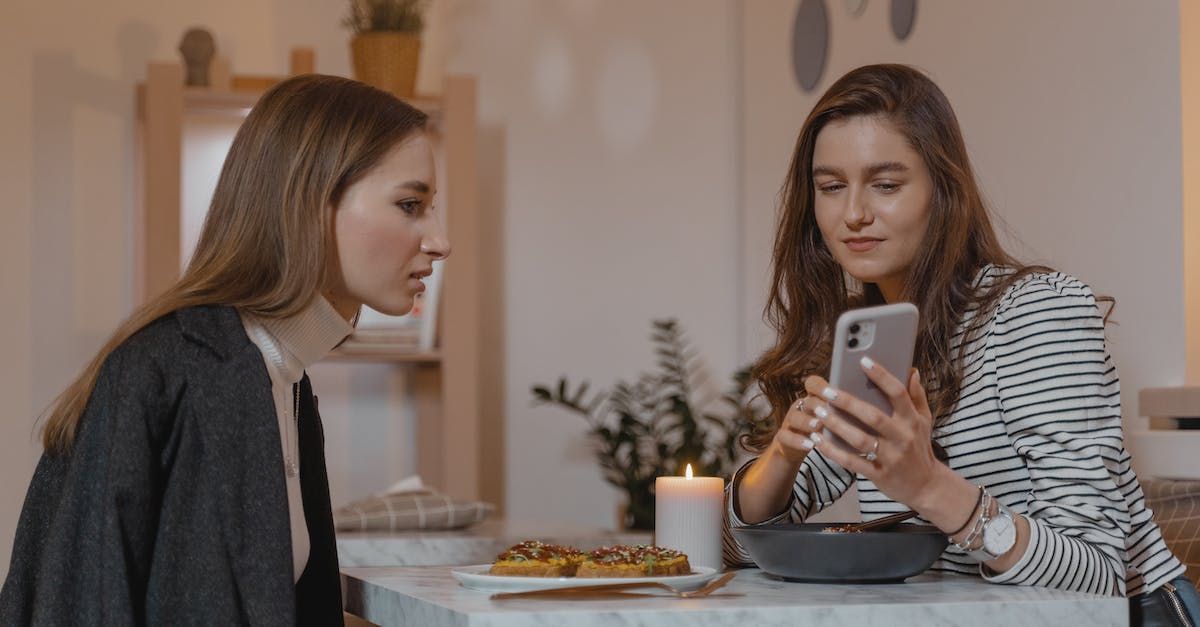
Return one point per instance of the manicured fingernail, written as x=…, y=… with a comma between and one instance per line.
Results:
x=815, y=437
x=814, y=423
x=807, y=445
x=867, y=362
x=830, y=394
x=821, y=412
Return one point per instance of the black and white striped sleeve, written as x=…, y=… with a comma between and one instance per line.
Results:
x=1061, y=405
x=818, y=484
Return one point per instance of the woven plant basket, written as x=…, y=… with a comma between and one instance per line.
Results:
x=387, y=61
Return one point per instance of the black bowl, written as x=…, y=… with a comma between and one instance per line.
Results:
x=806, y=552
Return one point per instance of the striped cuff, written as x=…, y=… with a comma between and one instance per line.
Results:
x=1053, y=560
x=1018, y=570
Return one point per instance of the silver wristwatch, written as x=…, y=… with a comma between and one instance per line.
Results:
x=999, y=534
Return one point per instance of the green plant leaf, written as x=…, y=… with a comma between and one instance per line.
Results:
x=579, y=394
x=650, y=425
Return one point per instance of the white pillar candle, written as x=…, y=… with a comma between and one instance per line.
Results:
x=688, y=512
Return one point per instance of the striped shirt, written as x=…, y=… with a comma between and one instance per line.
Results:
x=1038, y=423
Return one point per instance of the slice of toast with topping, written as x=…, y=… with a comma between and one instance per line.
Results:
x=537, y=559
x=634, y=561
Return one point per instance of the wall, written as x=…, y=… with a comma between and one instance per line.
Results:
x=1071, y=113
x=615, y=124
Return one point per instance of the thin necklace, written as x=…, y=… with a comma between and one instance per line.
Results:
x=290, y=461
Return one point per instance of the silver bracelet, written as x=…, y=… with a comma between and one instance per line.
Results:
x=985, y=505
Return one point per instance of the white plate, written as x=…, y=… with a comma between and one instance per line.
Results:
x=477, y=578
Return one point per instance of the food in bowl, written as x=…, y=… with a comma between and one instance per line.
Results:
x=538, y=559
x=634, y=561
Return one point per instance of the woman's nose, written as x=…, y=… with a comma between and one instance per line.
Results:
x=857, y=213
x=435, y=243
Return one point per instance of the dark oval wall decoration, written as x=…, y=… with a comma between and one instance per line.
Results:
x=904, y=15
x=810, y=42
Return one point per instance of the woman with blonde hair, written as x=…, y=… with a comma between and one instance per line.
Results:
x=1013, y=385
x=183, y=478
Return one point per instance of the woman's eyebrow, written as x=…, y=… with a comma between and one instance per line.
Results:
x=871, y=170
x=417, y=186
x=886, y=166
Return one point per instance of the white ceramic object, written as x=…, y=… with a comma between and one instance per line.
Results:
x=477, y=578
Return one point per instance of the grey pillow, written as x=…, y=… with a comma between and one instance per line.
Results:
x=409, y=511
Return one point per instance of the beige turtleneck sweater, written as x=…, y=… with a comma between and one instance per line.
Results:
x=289, y=346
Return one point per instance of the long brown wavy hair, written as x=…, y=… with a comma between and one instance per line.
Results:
x=265, y=246
x=808, y=287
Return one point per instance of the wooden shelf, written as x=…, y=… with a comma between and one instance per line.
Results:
x=1164, y=405
x=1173, y=402
x=239, y=102
x=205, y=100
x=395, y=356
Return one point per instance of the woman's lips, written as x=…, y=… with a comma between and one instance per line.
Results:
x=862, y=245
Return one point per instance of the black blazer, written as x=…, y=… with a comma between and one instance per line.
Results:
x=171, y=507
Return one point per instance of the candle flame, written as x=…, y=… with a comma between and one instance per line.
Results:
x=689, y=471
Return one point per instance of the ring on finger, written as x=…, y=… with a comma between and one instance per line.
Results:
x=800, y=403
x=872, y=454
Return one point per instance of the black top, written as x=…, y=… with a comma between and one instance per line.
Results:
x=171, y=507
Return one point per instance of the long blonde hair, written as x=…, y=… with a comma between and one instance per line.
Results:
x=265, y=247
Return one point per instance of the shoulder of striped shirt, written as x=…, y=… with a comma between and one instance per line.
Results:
x=1038, y=287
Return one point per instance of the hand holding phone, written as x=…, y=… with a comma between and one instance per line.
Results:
x=888, y=335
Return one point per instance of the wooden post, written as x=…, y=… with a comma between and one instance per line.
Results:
x=461, y=291
x=424, y=387
x=220, y=74
x=1189, y=70
x=158, y=244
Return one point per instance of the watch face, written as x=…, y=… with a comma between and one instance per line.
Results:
x=999, y=535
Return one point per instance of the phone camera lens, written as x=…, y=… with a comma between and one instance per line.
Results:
x=853, y=342
x=854, y=328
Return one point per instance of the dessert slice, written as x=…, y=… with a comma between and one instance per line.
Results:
x=634, y=561
x=537, y=559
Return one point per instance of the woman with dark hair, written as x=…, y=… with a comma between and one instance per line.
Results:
x=183, y=479
x=1012, y=379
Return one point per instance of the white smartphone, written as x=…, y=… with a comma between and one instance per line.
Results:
x=888, y=335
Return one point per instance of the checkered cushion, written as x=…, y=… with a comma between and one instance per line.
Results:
x=1176, y=507
x=408, y=511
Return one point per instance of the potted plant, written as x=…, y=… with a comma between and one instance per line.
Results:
x=386, y=46
x=652, y=426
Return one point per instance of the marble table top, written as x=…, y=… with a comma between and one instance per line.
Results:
x=430, y=597
x=476, y=545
